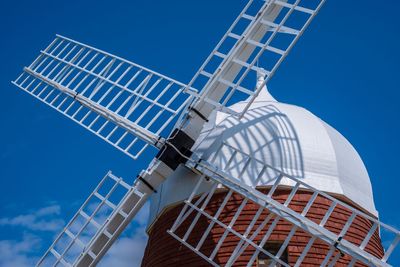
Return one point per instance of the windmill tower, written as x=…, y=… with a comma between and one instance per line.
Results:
x=296, y=143
x=236, y=178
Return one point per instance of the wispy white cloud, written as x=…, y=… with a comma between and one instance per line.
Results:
x=40, y=220
x=22, y=251
x=15, y=253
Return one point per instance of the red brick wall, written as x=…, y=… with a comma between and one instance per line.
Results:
x=164, y=250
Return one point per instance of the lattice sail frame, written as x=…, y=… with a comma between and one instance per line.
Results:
x=257, y=42
x=270, y=212
x=98, y=222
x=125, y=104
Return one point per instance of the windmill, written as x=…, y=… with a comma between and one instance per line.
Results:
x=233, y=205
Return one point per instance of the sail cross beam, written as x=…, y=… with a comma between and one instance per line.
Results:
x=125, y=104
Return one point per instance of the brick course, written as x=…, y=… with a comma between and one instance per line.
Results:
x=163, y=250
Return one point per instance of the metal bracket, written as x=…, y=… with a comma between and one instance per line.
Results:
x=147, y=184
x=177, y=150
x=337, y=244
x=199, y=114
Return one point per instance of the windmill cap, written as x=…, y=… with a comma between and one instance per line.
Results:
x=287, y=137
x=295, y=141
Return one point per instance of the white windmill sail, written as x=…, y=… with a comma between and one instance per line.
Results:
x=97, y=224
x=101, y=219
x=123, y=103
x=97, y=215
x=264, y=33
x=269, y=213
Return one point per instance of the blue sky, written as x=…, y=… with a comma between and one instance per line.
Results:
x=344, y=69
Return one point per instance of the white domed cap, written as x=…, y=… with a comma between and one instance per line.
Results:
x=284, y=136
x=293, y=140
